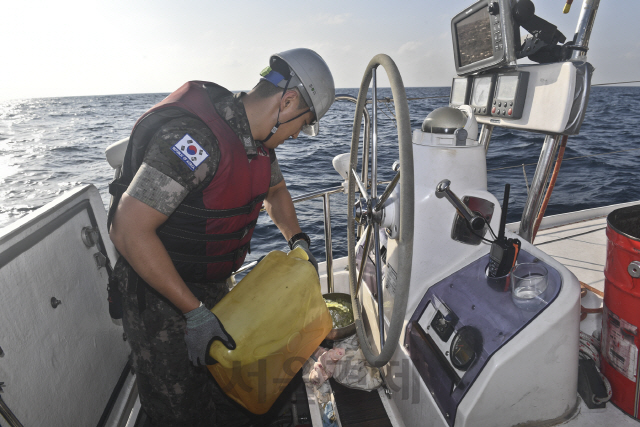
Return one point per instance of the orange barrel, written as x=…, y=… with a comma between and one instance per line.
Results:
x=621, y=314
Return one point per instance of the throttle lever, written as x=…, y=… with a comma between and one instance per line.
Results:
x=443, y=189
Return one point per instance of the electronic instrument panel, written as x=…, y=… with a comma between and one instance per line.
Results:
x=510, y=94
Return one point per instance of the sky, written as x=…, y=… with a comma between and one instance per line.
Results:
x=74, y=48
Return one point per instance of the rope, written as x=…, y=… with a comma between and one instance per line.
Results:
x=552, y=183
x=447, y=96
x=387, y=99
x=526, y=181
x=565, y=160
x=386, y=105
x=592, y=289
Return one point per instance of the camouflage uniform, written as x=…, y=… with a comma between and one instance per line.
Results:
x=172, y=391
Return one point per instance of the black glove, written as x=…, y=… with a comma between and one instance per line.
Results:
x=305, y=246
x=203, y=327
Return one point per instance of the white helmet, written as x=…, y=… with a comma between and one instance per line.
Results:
x=310, y=74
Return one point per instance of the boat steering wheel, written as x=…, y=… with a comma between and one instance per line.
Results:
x=370, y=212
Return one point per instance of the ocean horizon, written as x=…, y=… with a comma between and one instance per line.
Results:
x=51, y=145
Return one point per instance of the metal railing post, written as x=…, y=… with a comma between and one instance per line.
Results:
x=536, y=193
x=485, y=136
x=583, y=29
x=327, y=241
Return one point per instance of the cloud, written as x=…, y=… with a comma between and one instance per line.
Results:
x=333, y=19
x=410, y=47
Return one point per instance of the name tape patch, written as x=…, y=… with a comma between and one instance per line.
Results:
x=190, y=152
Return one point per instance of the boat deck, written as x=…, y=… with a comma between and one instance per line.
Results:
x=580, y=246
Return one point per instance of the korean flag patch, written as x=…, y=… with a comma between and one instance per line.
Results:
x=190, y=152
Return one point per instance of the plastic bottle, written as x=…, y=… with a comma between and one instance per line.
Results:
x=277, y=317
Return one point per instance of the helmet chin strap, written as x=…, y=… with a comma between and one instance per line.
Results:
x=277, y=125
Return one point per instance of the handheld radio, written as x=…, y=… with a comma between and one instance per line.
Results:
x=504, y=252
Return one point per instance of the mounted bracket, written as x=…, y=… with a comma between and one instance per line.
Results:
x=541, y=45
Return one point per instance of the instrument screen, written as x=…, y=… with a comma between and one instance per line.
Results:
x=459, y=92
x=481, y=91
x=496, y=251
x=507, y=86
x=510, y=95
x=474, y=37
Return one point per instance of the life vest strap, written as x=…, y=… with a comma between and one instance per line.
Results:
x=117, y=188
x=188, y=235
x=204, y=259
x=221, y=213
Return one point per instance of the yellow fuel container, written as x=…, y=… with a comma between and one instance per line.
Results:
x=277, y=317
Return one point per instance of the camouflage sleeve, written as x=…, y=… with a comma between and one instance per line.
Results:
x=276, y=173
x=180, y=157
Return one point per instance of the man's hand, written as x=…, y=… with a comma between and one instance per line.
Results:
x=305, y=246
x=203, y=327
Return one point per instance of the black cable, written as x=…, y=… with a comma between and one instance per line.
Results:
x=491, y=231
x=477, y=235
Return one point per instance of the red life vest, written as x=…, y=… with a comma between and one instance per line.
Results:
x=208, y=235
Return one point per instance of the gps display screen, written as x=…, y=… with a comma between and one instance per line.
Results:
x=474, y=37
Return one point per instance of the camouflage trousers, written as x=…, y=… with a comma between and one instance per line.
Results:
x=173, y=392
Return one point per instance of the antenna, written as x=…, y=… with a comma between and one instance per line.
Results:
x=505, y=207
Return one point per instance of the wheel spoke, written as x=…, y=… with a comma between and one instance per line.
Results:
x=387, y=192
x=376, y=239
x=365, y=257
x=361, y=186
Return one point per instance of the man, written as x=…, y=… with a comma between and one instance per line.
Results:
x=197, y=168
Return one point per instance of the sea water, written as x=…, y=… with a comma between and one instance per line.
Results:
x=49, y=146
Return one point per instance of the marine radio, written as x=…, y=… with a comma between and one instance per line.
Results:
x=504, y=252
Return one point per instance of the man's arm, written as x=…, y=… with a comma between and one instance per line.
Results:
x=133, y=233
x=280, y=208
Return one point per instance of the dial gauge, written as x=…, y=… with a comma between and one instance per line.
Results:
x=465, y=347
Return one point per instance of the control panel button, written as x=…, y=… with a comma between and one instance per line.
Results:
x=510, y=112
x=493, y=110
